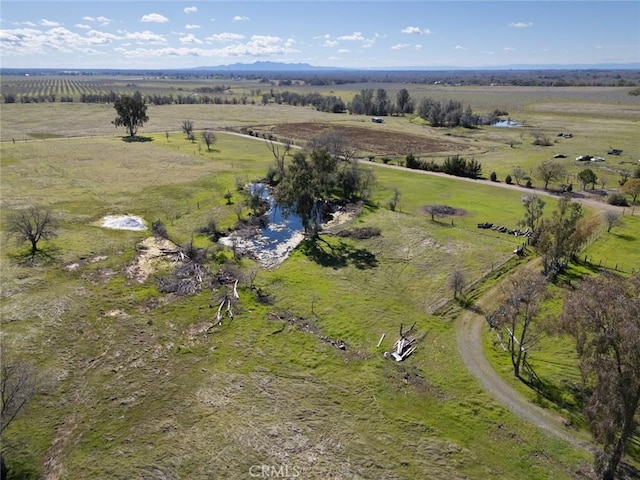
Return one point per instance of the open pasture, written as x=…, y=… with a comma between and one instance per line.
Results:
x=141, y=377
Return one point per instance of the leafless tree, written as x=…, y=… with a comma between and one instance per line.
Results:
x=611, y=219
x=524, y=293
x=279, y=150
x=209, y=138
x=19, y=383
x=603, y=316
x=336, y=143
x=187, y=128
x=533, y=210
x=438, y=211
x=32, y=225
x=457, y=282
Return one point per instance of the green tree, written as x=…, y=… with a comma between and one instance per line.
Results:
x=562, y=235
x=308, y=182
x=404, y=102
x=518, y=174
x=631, y=187
x=550, y=171
x=603, y=315
x=587, y=176
x=132, y=113
x=533, y=210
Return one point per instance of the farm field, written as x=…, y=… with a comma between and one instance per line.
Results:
x=141, y=384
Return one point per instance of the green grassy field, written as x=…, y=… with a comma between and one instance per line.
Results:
x=139, y=390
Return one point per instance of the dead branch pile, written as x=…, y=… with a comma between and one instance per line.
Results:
x=404, y=346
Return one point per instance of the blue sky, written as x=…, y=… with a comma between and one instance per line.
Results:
x=356, y=33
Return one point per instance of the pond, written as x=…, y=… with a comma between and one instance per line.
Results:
x=507, y=123
x=123, y=222
x=273, y=243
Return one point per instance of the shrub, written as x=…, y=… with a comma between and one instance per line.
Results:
x=528, y=184
x=159, y=230
x=493, y=177
x=508, y=180
x=617, y=199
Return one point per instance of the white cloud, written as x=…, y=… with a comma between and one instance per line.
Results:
x=101, y=20
x=190, y=10
x=49, y=23
x=355, y=36
x=520, y=24
x=344, y=50
x=100, y=38
x=419, y=47
x=192, y=27
x=144, y=37
x=330, y=43
x=190, y=39
x=239, y=18
x=224, y=37
x=416, y=31
x=154, y=18
x=459, y=47
x=508, y=49
x=83, y=26
x=400, y=46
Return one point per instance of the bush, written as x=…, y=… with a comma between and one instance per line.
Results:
x=493, y=177
x=528, y=184
x=508, y=180
x=159, y=230
x=617, y=199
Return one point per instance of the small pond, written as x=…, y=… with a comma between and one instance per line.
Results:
x=507, y=123
x=273, y=243
x=123, y=222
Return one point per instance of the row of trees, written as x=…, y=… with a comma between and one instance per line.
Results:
x=454, y=165
x=378, y=103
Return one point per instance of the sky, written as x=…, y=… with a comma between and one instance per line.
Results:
x=143, y=34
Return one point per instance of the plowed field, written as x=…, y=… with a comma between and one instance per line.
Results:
x=374, y=141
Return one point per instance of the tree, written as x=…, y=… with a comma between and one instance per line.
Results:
x=18, y=385
x=525, y=292
x=32, y=225
x=209, y=138
x=549, y=171
x=587, y=176
x=533, y=209
x=132, y=113
x=603, y=316
x=631, y=187
x=187, y=128
x=562, y=235
x=404, y=102
x=438, y=211
x=307, y=183
x=518, y=174
x=611, y=219
x=457, y=282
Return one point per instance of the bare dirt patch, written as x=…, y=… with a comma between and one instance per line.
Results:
x=376, y=141
x=154, y=253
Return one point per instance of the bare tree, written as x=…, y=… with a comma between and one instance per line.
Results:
x=611, y=219
x=32, y=225
x=19, y=383
x=518, y=174
x=187, y=128
x=438, y=211
x=603, y=316
x=209, y=138
x=550, y=171
x=524, y=292
x=279, y=150
x=457, y=282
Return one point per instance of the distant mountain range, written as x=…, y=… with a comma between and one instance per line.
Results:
x=305, y=67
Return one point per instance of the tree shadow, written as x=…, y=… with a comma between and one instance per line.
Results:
x=338, y=256
x=624, y=236
x=43, y=256
x=136, y=139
